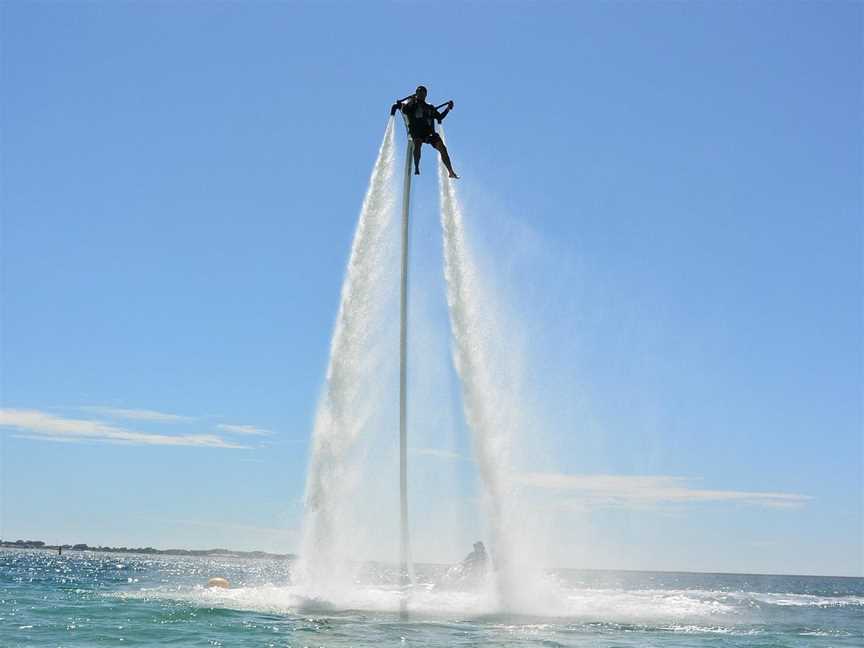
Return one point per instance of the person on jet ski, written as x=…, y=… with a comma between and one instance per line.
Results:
x=475, y=562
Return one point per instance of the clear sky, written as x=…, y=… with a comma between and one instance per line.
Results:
x=668, y=194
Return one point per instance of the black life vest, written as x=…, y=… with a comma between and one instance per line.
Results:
x=421, y=117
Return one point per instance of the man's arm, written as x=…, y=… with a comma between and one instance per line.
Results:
x=400, y=105
x=441, y=115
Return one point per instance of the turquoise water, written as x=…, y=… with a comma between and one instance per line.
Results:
x=92, y=599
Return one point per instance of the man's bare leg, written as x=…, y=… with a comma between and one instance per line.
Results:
x=417, y=145
x=445, y=158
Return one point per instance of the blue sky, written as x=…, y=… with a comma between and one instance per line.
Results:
x=668, y=195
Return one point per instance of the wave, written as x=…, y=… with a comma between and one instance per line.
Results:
x=666, y=610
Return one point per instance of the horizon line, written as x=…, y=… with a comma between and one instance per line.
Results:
x=4, y=544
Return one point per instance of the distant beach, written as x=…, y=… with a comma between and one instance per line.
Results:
x=39, y=544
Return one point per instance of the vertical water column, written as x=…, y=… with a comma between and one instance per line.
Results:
x=490, y=401
x=352, y=395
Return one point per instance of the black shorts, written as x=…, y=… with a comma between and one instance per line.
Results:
x=427, y=138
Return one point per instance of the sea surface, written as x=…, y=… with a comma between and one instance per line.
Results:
x=104, y=599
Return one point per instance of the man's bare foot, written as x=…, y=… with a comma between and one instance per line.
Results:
x=453, y=175
x=416, y=171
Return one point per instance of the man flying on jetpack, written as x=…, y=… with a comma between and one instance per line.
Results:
x=421, y=125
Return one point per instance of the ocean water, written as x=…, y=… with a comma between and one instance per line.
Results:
x=94, y=599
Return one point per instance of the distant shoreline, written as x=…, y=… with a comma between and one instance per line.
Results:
x=225, y=553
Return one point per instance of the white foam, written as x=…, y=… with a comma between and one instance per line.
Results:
x=680, y=611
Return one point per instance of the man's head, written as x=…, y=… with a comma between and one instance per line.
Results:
x=420, y=93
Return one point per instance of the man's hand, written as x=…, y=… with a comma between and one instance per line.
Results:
x=450, y=105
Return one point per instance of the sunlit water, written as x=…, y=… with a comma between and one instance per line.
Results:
x=87, y=599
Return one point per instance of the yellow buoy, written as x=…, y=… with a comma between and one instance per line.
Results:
x=218, y=581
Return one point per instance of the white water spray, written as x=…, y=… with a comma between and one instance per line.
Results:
x=354, y=402
x=491, y=402
x=350, y=408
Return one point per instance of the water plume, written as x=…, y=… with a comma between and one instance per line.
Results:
x=490, y=396
x=350, y=406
